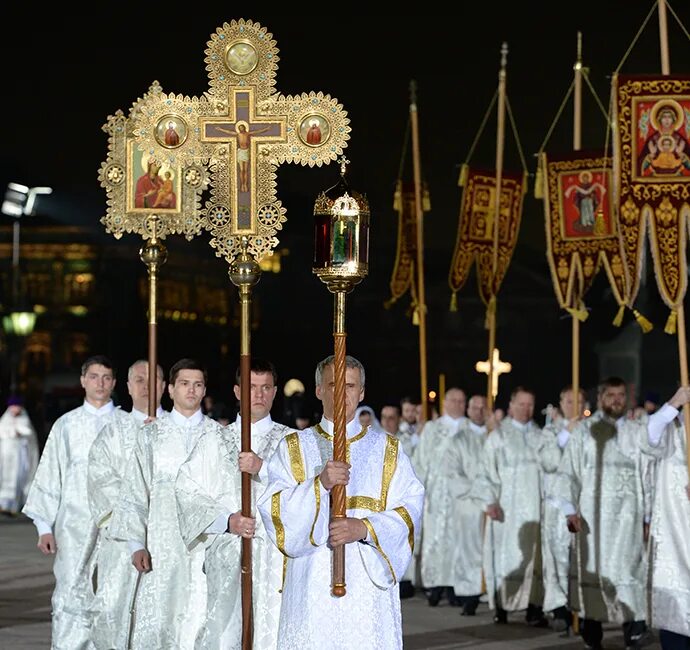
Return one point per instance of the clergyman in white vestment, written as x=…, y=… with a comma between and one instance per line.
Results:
x=58, y=503
x=208, y=492
x=384, y=505
x=108, y=461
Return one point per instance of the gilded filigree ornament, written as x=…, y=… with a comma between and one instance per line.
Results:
x=139, y=185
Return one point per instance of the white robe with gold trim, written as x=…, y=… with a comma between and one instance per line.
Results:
x=385, y=493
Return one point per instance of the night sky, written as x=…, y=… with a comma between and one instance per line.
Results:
x=70, y=73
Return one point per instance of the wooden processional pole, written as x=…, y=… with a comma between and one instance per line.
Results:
x=154, y=255
x=577, y=145
x=245, y=272
x=500, y=141
x=680, y=322
x=419, y=213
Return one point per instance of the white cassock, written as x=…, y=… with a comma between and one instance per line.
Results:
x=669, y=548
x=58, y=503
x=117, y=578
x=465, y=454
x=18, y=459
x=170, y=603
x=604, y=479
x=556, y=538
x=440, y=529
x=511, y=475
x=384, y=492
x=208, y=491
x=409, y=439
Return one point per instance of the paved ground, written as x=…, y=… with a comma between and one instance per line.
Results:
x=26, y=583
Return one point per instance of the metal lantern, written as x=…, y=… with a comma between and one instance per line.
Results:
x=341, y=236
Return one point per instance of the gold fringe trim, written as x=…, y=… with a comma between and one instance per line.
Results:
x=618, y=320
x=581, y=313
x=454, y=301
x=643, y=322
x=671, y=322
x=539, y=182
x=464, y=173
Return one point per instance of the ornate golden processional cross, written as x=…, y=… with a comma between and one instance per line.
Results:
x=230, y=140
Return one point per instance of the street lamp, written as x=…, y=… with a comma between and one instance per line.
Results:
x=19, y=201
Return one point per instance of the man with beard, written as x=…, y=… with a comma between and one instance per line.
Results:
x=601, y=484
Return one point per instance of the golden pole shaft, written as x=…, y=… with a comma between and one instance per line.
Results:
x=500, y=142
x=419, y=211
x=245, y=273
x=684, y=381
x=246, y=445
x=490, y=374
x=680, y=322
x=153, y=255
x=577, y=145
x=441, y=392
x=338, y=587
x=663, y=38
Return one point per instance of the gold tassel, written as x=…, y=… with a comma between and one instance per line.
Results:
x=454, y=301
x=415, y=316
x=426, y=201
x=581, y=314
x=671, y=322
x=464, y=173
x=618, y=320
x=643, y=322
x=539, y=182
x=397, y=196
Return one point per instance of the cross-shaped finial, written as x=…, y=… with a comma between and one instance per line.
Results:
x=493, y=368
x=344, y=162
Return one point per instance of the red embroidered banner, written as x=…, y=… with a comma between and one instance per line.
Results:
x=581, y=229
x=652, y=178
x=475, y=239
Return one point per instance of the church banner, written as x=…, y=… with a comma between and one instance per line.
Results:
x=404, y=267
x=475, y=239
x=652, y=179
x=581, y=230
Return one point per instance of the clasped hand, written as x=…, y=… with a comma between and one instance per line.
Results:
x=345, y=530
x=334, y=473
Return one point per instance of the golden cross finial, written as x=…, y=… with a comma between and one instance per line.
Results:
x=344, y=162
x=493, y=367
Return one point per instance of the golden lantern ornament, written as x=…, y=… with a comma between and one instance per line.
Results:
x=341, y=261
